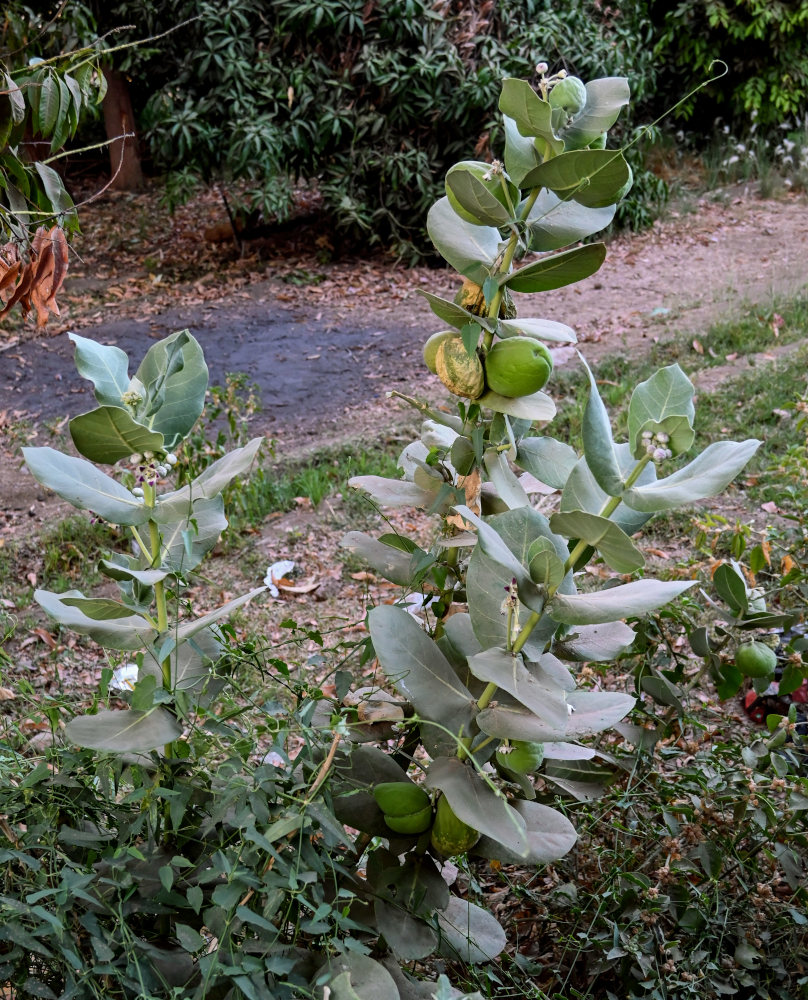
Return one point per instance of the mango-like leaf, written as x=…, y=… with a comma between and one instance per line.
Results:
x=450, y=312
x=60, y=201
x=613, y=544
x=80, y=483
x=393, y=492
x=599, y=447
x=186, y=542
x=16, y=98
x=663, y=403
x=553, y=223
x=557, y=270
x=391, y=563
x=108, y=433
x=475, y=802
x=581, y=492
x=540, y=329
x=706, y=476
x=124, y=732
x=469, y=249
x=105, y=365
x=604, y=100
x=550, y=461
x=419, y=670
x=550, y=835
x=508, y=672
x=521, y=155
x=627, y=600
x=127, y=631
x=537, y=406
x=595, y=178
x=175, y=377
x=596, y=643
x=469, y=933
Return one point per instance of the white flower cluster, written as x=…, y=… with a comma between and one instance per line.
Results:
x=655, y=445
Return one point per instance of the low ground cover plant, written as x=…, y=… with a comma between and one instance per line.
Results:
x=194, y=836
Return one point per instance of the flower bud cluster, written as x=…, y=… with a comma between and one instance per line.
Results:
x=656, y=445
x=131, y=398
x=150, y=469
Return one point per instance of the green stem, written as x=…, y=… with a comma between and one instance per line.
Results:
x=149, y=499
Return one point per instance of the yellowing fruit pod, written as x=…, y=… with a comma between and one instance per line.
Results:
x=518, y=366
x=431, y=348
x=756, y=659
x=462, y=373
x=450, y=835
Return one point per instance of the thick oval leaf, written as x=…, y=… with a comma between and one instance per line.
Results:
x=595, y=178
x=557, y=270
x=540, y=329
x=175, y=377
x=599, y=447
x=469, y=933
x=116, y=571
x=408, y=937
x=186, y=542
x=128, y=631
x=191, y=661
x=393, y=564
x=108, y=433
x=554, y=223
x=613, y=544
x=596, y=643
x=393, y=492
x=508, y=487
x=471, y=194
x=594, y=711
x=567, y=751
x=476, y=803
x=706, y=476
x=608, y=605
x=581, y=492
x=470, y=249
x=353, y=976
x=538, y=406
x=604, y=99
x=512, y=722
x=185, y=630
x=208, y=484
x=106, y=366
x=80, y=483
x=550, y=835
x=544, y=698
x=521, y=155
x=124, y=732
x=532, y=116
x=550, y=461
x=417, y=668
x=664, y=403
x=354, y=804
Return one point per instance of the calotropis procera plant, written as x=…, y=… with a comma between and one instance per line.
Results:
x=139, y=422
x=488, y=692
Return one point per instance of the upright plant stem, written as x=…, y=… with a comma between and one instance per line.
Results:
x=149, y=499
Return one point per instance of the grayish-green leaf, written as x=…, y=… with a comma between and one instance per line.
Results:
x=391, y=563
x=613, y=544
x=419, y=670
x=175, y=377
x=599, y=447
x=108, y=433
x=124, y=732
x=474, y=197
x=450, y=312
x=185, y=630
x=129, y=632
x=191, y=662
x=539, y=329
x=532, y=115
x=544, y=565
x=106, y=366
x=550, y=835
x=80, y=483
x=595, y=178
x=591, y=713
x=706, y=476
x=604, y=99
x=353, y=976
x=581, y=492
x=470, y=933
x=408, y=937
x=629, y=599
x=116, y=571
x=550, y=461
x=663, y=403
x=393, y=492
x=476, y=803
x=469, y=249
x=508, y=487
x=208, y=484
x=557, y=269
x=597, y=643
x=521, y=154
x=186, y=542
x=498, y=666
x=554, y=223
x=538, y=406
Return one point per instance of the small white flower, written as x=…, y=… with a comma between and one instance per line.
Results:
x=276, y=572
x=274, y=759
x=542, y=68
x=124, y=677
x=418, y=602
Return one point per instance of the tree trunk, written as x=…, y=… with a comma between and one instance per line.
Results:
x=119, y=121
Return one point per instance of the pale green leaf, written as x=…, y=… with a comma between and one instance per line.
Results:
x=613, y=544
x=130, y=632
x=108, y=434
x=391, y=563
x=554, y=223
x=450, y=312
x=481, y=206
x=175, y=377
x=106, y=366
x=626, y=600
x=599, y=446
x=521, y=155
x=581, y=492
x=508, y=487
x=124, y=732
x=597, y=643
x=532, y=116
x=595, y=178
x=469, y=249
x=550, y=836
x=538, y=406
x=185, y=630
x=540, y=329
x=394, y=492
x=469, y=933
x=184, y=543
x=557, y=270
x=549, y=460
x=664, y=403
x=508, y=672
x=604, y=100
x=208, y=484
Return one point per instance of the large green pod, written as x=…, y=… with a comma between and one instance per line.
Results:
x=450, y=835
x=518, y=366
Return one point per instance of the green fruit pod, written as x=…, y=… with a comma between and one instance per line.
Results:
x=521, y=757
x=417, y=822
x=431, y=348
x=450, y=835
x=568, y=94
x=400, y=798
x=755, y=659
x=518, y=366
x=462, y=373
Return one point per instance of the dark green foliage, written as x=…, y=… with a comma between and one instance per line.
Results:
x=763, y=45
